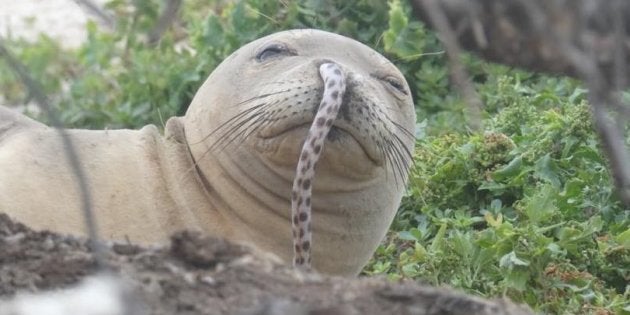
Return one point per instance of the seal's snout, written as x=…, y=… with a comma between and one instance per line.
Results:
x=352, y=95
x=340, y=72
x=351, y=78
x=353, y=81
x=317, y=64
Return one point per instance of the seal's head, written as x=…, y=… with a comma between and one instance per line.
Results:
x=246, y=125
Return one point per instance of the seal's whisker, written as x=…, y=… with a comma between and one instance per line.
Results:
x=248, y=125
x=229, y=121
x=245, y=112
x=400, y=153
x=401, y=128
x=388, y=161
x=407, y=151
x=394, y=160
x=262, y=96
x=244, y=122
x=213, y=146
x=259, y=124
x=267, y=120
x=245, y=128
x=232, y=132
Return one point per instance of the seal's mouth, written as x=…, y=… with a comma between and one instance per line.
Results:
x=339, y=131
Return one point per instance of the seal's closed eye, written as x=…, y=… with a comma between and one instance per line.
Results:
x=396, y=84
x=274, y=50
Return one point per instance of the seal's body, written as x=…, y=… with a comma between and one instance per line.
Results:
x=141, y=184
x=227, y=166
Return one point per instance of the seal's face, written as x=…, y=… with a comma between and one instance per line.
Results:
x=275, y=89
x=256, y=107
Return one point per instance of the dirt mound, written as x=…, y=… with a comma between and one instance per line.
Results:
x=201, y=275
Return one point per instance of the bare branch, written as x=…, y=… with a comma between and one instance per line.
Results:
x=93, y=9
x=502, y=31
x=167, y=18
x=72, y=157
x=458, y=71
x=587, y=39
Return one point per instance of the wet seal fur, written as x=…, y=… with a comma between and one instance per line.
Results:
x=226, y=168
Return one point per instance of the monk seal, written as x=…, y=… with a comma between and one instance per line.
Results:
x=227, y=166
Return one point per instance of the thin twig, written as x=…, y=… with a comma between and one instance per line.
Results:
x=40, y=98
x=458, y=71
x=621, y=67
x=602, y=96
x=165, y=20
x=93, y=9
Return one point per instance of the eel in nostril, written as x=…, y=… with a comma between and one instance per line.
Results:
x=334, y=88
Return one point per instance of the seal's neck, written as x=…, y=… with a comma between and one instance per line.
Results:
x=254, y=198
x=195, y=205
x=225, y=198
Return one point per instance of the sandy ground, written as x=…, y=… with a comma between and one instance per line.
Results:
x=63, y=20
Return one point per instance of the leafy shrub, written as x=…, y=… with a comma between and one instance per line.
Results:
x=523, y=208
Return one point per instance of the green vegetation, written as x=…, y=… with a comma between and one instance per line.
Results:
x=523, y=208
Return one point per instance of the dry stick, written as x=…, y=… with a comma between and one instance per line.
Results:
x=622, y=176
x=458, y=72
x=165, y=20
x=613, y=142
x=334, y=88
x=621, y=73
x=36, y=92
x=621, y=67
x=602, y=96
x=94, y=9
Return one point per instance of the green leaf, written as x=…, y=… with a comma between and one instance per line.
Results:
x=573, y=190
x=420, y=253
x=509, y=170
x=403, y=39
x=547, y=170
x=542, y=205
x=411, y=235
x=492, y=186
x=623, y=238
x=437, y=243
x=510, y=260
x=517, y=279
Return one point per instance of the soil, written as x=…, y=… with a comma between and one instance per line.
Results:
x=202, y=275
